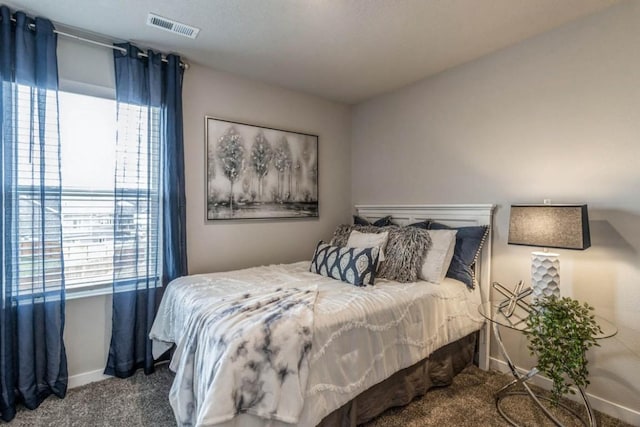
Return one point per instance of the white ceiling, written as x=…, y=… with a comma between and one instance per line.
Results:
x=345, y=50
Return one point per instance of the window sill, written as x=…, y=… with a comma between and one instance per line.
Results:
x=81, y=293
x=98, y=290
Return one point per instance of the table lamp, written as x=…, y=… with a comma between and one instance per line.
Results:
x=548, y=226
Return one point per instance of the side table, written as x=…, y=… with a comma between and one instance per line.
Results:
x=518, y=321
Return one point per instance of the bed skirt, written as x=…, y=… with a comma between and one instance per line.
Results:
x=402, y=387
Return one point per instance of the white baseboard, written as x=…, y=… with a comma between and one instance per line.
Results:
x=615, y=410
x=87, y=377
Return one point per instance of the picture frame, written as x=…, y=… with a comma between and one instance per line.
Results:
x=255, y=172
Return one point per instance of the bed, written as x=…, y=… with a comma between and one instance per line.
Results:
x=334, y=354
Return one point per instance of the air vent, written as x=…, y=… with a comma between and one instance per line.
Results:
x=172, y=26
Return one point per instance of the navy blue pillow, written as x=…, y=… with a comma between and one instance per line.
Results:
x=469, y=242
x=382, y=222
x=422, y=224
x=352, y=265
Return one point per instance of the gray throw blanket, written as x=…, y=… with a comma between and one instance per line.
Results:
x=244, y=353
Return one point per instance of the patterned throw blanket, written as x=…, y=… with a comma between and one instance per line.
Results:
x=244, y=353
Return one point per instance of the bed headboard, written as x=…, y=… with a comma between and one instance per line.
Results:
x=456, y=216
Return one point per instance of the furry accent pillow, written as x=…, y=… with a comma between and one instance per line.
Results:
x=405, y=252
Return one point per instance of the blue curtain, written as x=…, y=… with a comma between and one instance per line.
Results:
x=33, y=362
x=149, y=200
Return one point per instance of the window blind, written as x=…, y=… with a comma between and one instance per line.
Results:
x=103, y=239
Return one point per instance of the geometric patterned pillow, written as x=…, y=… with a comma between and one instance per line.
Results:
x=352, y=265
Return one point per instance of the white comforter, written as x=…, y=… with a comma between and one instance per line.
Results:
x=361, y=335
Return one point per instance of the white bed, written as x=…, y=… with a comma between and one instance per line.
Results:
x=361, y=335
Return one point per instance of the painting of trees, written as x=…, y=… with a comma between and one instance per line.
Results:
x=231, y=156
x=313, y=177
x=282, y=163
x=297, y=172
x=306, y=152
x=256, y=172
x=211, y=172
x=261, y=156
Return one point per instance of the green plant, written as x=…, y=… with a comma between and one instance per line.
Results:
x=560, y=331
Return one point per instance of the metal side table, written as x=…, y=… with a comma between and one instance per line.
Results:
x=518, y=321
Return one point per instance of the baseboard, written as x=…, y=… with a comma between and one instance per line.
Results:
x=615, y=410
x=87, y=377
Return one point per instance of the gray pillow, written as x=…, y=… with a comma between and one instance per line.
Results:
x=406, y=249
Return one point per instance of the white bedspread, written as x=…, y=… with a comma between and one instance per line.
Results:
x=361, y=335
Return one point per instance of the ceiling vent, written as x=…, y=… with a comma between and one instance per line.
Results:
x=172, y=26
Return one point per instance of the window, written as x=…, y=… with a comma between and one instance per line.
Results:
x=94, y=226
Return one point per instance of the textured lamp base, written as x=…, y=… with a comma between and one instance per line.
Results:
x=545, y=274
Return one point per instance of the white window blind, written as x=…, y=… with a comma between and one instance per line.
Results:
x=92, y=232
x=35, y=234
x=137, y=196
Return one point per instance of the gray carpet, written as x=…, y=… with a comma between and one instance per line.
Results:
x=142, y=401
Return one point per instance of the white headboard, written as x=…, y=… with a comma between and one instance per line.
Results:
x=455, y=216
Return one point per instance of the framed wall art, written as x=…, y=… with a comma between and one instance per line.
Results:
x=256, y=172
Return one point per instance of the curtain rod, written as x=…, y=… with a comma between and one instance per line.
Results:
x=121, y=49
x=97, y=43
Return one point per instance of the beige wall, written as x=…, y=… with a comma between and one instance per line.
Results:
x=226, y=245
x=555, y=117
x=87, y=334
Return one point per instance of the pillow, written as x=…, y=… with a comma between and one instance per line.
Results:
x=422, y=224
x=382, y=222
x=469, y=241
x=343, y=231
x=368, y=240
x=404, y=254
x=352, y=265
x=406, y=250
x=436, y=263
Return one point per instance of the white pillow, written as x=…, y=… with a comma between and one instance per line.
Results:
x=436, y=263
x=368, y=240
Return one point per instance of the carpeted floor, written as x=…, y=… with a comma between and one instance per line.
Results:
x=142, y=401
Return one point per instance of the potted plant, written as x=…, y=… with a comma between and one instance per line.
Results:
x=560, y=331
